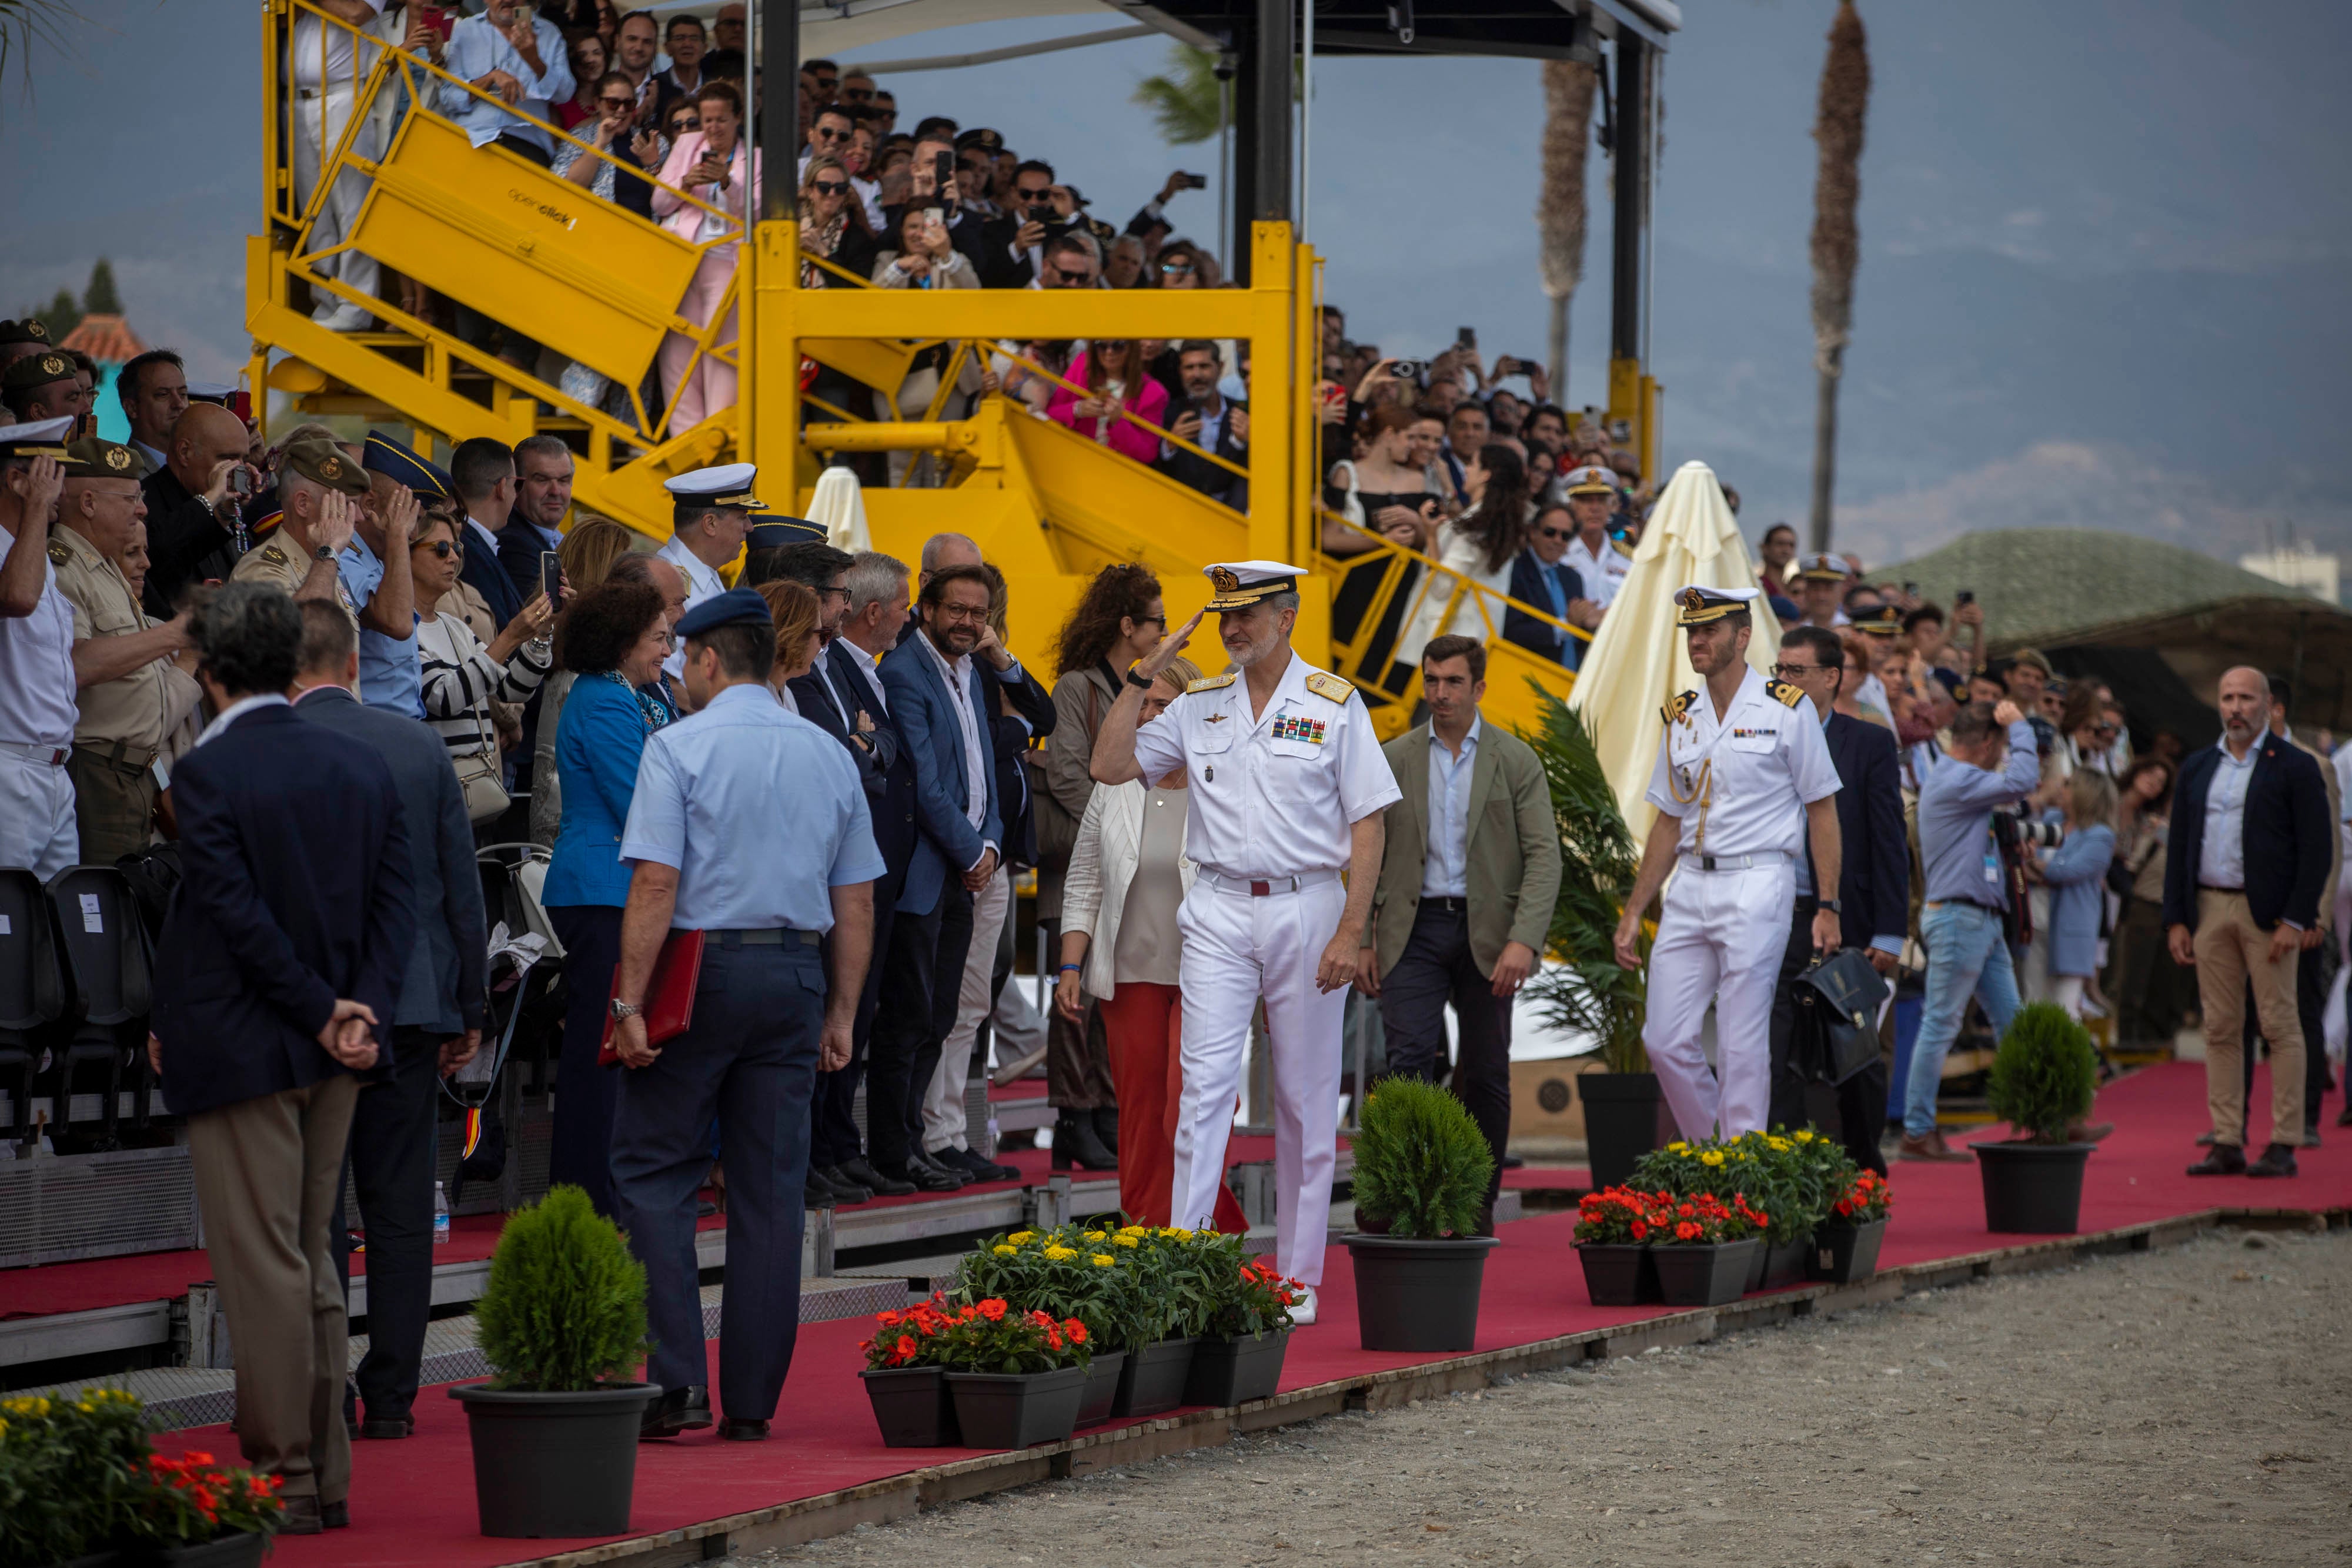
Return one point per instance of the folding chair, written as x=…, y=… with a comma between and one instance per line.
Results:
x=104, y=941
x=34, y=994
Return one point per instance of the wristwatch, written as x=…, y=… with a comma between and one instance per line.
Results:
x=622, y=1009
x=322, y=553
x=1140, y=682
x=1830, y=904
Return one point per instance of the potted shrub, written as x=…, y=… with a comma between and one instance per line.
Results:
x=2042, y=1079
x=1845, y=1244
x=1702, y=1248
x=563, y=1323
x=1016, y=1377
x=1612, y=1242
x=904, y=1381
x=1422, y=1169
x=1584, y=991
x=81, y=1484
x=1239, y=1359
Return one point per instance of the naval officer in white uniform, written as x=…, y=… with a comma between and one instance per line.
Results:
x=710, y=519
x=1289, y=786
x=1742, y=774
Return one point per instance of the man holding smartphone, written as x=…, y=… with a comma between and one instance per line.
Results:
x=1209, y=422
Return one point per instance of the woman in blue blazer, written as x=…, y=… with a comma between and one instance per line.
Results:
x=2076, y=871
x=613, y=638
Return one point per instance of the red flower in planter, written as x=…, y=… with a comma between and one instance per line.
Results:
x=991, y=1309
x=1076, y=1330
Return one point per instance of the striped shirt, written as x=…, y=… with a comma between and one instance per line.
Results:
x=461, y=680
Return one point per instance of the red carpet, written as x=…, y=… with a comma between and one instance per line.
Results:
x=413, y=1500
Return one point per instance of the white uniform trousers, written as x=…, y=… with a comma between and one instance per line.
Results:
x=36, y=813
x=943, y=1117
x=1236, y=949
x=318, y=123
x=1721, y=940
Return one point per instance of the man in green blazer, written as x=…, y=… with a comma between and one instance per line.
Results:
x=1465, y=894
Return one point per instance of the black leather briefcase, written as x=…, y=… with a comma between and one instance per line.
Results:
x=1842, y=995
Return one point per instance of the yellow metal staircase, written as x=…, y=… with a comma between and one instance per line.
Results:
x=598, y=285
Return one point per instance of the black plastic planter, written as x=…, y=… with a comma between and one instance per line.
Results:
x=555, y=1464
x=1102, y=1386
x=1015, y=1409
x=1622, y=1113
x=912, y=1406
x=1707, y=1275
x=1784, y=1262
x=1153, y=1379
x=1846, y=1254
x=1618, y=1273
x=1237, y=1369
x=2032, y=1189
x=1418, y=1293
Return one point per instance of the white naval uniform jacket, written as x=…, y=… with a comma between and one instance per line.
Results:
x=1273, y=795
x=1744, y=782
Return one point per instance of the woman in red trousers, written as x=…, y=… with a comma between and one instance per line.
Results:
x=1126, y=879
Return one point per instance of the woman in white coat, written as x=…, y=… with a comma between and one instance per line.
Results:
x=1126, y=879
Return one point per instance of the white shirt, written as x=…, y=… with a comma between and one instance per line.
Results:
x=1273, y=794
x=38, y=702
x=1445, y=867
x=701, y=582
x=824, y=674
x=1754, y=772
x=791, y=704
x=238, y=710
x=1603, y=573
x=872, y=671
x=302, y=60
x=958, y=672
x=2221, y=860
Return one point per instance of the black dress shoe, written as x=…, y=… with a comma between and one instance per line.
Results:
x=2278, y=1160
x=678, y=1410
x=817, y=1190
x=2227, y=1159
x=844, y=1189
x=1511, y=1163
x=936, y=1160
x=302, y=1516
x=335, y=1515
x=862, y=1172
x=388, y=1427
x=918, y=1175
x=979, y=1166
x=1106, y=1119
x=743, y=1430
x=1074, y=1144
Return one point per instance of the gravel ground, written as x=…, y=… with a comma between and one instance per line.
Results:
x=2187, y=1405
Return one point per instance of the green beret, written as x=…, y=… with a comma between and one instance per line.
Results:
x=28, y=331
x=37, y=371
x=93, y=457
x=326, y=462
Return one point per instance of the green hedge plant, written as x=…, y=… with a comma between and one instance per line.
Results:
x=2044, y=1074
x=1421, y=1164
x=565, y=1306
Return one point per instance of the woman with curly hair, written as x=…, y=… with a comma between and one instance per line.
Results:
x=1118, y=620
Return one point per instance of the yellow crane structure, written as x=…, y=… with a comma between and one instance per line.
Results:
x=599, y=286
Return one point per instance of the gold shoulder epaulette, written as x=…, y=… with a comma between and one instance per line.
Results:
x=1330, y=688
x=1678, y=710
x=60, y=552
x=275, y=556
x=1784, y=692
x=1211, y=683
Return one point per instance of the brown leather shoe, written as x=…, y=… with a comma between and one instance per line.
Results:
x=302, y=1515
x=2227, y=1159
x=2278, y=1160
x=1930, y=1148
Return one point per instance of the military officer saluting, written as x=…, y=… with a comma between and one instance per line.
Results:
x=1287, y=786
x=37, y=664
x=710, y=519
x=130, y=698
x=319, y=489
x=1742, y=774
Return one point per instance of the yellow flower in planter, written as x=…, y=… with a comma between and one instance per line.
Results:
x=1126, y=1241
x=1021, y=1238
x=1055, y=1254
x=1104, y=1260
x=1712, y=1157
x=1008, y=1251
x=1803, y=1138
x=1677, y=1148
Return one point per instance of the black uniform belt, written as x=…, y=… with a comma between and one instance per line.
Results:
x=763, y=936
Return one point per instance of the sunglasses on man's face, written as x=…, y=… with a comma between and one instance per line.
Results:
x=857, y=94
x=831, y=133
x=829, y=187
x=1561, y=534
x=1082, y=278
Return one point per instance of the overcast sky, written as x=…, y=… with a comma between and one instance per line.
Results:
x=2104, y=243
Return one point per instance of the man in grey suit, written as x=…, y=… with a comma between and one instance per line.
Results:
x=1465, y=894
x=436, y=1025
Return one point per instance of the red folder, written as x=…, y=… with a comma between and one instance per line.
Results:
x=670, y=995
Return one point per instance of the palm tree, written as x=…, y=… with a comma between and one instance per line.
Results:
x=24, y=22
x=1188, y=103
x=1585, y=991
x=1568, y=87
x=1837, y=191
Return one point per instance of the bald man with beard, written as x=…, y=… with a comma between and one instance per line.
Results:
x=193, y=528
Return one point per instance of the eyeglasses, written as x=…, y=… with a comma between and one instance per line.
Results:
x=1082, y=278
x=1112, y=345
x=616, y=103
x=443, y=550
x=857, y=94
x=828, y=133
x=1792, y=672
x=686, y=122
x=1175, y=266
x=1557, y=533
x=829, y=187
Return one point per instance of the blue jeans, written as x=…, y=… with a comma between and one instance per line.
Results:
x=1966, y=956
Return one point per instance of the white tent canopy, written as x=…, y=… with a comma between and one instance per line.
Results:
x=1637, y=661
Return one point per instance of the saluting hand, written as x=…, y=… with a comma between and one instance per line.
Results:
x=1162, y=656
x=333, y=529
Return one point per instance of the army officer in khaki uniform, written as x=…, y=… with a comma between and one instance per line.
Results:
x=318, y=488
x=128, y=701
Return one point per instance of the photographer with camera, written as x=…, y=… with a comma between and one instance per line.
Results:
x=1991, y=762
x=195, y=502
x=1016, y=242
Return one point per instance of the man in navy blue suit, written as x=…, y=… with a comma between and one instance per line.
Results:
x=276, y=980
x=940, y=698
x=482, y=472
x=1541, y=576
x=1871, y=899
x=2245, y=864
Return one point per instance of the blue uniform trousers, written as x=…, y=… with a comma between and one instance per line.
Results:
x=749, y=1058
